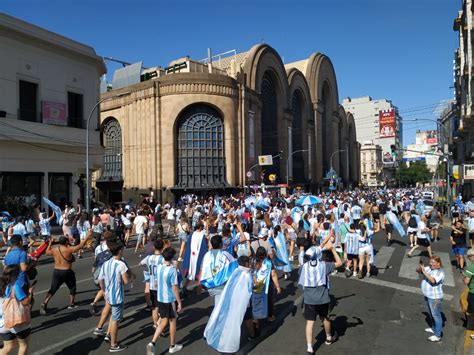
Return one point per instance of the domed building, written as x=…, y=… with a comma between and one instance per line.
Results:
x=201, y=125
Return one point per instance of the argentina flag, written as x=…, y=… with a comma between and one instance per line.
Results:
x=57, y=211
x=393, y=219
x=217, y=267
x=222, y=331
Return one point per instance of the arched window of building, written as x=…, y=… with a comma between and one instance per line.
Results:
x=269, y=123
x=297, y=137
x=112, y=140
x=201, y=158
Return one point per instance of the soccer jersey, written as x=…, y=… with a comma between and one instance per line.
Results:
x=45, y=227
x=352, y=243
x=167, y=278
x=111, y=272
x=151, y=263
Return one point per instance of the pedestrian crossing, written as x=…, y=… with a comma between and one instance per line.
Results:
x=383, y=261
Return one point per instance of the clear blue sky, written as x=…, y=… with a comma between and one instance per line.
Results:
x=401, y=50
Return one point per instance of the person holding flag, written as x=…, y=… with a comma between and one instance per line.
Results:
x=217, y=267
x=196, y=248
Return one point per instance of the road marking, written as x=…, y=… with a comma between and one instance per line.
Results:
x=447, y=267
x=467, y=342
x=80, y=335
x=77, y=282
x=406, y=288
x=408, y=268
x=383, y=257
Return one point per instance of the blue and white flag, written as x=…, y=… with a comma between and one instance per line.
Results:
x=280, y=259
x=393, y=219
x=217, y=267
x=56, y=209
x=222, y=331
x=218, y=208
x=196, y=248
x=260, y=290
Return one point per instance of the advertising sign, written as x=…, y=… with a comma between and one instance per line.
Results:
x=54, y=113
x=468, y=171
x=431, y=137
x=265, y=160
x=387, y=158
x=387, y=123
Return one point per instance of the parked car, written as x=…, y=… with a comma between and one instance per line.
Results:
x=429, y=204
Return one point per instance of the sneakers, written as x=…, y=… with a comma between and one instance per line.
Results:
x=429, y=330
x=291, y=258
x=332, y=340
x=107, y=338
x=175, y=348
x=117, y=348
x=43, y=310
x=92, y=309
x=434, y=339
x=354, y=274
x=180, y=260
x=72, y=306
x=150, y=349
x=348, y=273
x=99, y=332
x=360, y=275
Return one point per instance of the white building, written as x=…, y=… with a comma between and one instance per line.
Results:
x=425, y=148
x=371, y=166
x=49, y=84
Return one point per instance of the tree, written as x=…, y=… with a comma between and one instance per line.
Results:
x=417, y=172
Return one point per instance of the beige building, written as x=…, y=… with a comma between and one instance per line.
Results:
x=48, y=85
x=371, y=165
x=201, y=125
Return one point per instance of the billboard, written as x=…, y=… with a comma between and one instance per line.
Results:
x=431, y=137
x=387, y=123
x=54, y=113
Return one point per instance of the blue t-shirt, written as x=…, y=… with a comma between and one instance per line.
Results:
x=16, y=256
x=20, y=294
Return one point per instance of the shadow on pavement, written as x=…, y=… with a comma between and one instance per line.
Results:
x=340, y=324
x=86, y=345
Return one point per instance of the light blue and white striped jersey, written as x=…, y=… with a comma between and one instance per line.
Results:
x=151, y=263
x=111, y=272
x=352, y=243
x=356, y=211
x=19, y=229
x=45, y=227
x=433, y=291
x=167, y=278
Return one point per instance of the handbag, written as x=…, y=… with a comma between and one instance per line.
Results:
x=14, y=313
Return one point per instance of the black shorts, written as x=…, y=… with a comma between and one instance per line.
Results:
x=20, y=335
x=388, y=228
x=356, y=222
x=167, y=310
x=471, y=236
x=352, y=257
x=311, y=311
x=376, y=216
x=153, y=298
x=424, y=242
x=63, y=276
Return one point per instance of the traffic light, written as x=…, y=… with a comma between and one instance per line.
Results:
x=393, y=148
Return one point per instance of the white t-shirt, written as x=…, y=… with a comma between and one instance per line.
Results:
x=421, y=226
x=139, y=223
x=101, y=248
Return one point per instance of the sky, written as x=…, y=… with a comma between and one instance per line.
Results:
x=401, y=50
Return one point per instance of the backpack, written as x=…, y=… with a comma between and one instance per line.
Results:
x=101, y=258
x=412, y=222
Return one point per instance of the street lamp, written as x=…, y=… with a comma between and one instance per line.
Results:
x=288, y=164
x=88, y=187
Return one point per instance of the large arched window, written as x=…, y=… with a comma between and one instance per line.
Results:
x=297, y=137
x=112, y=139
x=269, y=123
x=201, y=158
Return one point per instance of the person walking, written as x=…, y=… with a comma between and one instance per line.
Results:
x=423, y=237
x=458, y=241
x=432, y=288
x=468, y=281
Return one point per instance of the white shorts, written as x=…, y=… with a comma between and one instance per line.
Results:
x=366, y=249
x=412, y=230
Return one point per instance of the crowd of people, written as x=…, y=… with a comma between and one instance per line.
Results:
x=234, y=248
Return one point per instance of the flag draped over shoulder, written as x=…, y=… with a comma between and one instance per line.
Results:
x=217, y=267
x=260, y=292
x=280, y=259
x=56, y=209
x=393, y=219
x=196, y=248
x=222, y=331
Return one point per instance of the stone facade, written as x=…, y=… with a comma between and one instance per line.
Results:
x=264, y=107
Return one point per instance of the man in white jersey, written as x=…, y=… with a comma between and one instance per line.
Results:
x=114, y=274
x=150, y=263
x=356, y=212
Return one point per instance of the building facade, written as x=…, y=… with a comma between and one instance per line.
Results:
x=460, y=118
x=425, y=148
x=48, y=85
x=201, y=125
x=378, y=121
x=371, y=166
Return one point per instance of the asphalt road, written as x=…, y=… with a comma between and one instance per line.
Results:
x=384, y=314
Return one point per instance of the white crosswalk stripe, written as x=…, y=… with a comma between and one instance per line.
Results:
x=448, y=269
x=408, y=268
x=382, y=258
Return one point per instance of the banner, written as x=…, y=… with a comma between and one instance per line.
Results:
x=387, y=123
x=54, y=113
x=431, y=137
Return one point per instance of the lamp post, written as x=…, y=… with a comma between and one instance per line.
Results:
x=88, y=187
x=288, y=164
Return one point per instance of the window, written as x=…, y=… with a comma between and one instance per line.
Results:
x=75, y=107
x=28, y=101
x=112, y=170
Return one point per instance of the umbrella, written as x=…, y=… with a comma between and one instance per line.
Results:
x=249, y=200
x=309, y=200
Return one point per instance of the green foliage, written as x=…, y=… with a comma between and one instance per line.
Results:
x=417, y=172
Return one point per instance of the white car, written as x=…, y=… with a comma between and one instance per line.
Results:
x=428, y=195
x=429, y=205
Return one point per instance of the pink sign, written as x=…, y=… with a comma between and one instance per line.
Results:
x=54, y=113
